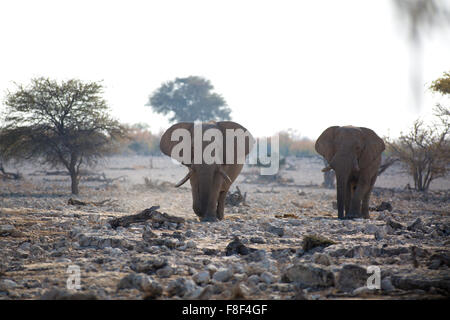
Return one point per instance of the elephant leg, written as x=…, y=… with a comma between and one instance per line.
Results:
x=348, y=196
x=362, y=188
x=221, y=205
x=365, y=200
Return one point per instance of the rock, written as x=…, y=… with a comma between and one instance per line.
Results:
x=443, y=258
x=267, y=277
x=10, y=230
x=259, y=240
x=6, y=229
x=239, y=268
x=351, y=277
x=417, y=225
x=138, y=281
x=206, y=293
x=312, y=241
x=239, y=292
x=211, y=269
x=201, y=277
x=153, y=290
x=191, y=244
x=434, y=264
x=182, y=287
x=394, y=224
x=149, y=265
x=254, y=279
x=370, y=229
x=362, y=291
x=210, y=251
x=58, y=294
x=165, y=272
x=386, y=285
x=256, y=256
x=321, y=258
x=309, y=275
x=7, y=284
x=276, y=230
x=237, y=247
x=414, y=282
x=148, y=234
x=380, y=234
x=223, y=275
x=36, y=250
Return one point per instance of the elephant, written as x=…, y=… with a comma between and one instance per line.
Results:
x=354, y=153
x=210, y=182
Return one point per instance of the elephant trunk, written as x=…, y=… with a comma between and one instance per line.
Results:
x=205, y=195
x=341, y=189
x=343, y=166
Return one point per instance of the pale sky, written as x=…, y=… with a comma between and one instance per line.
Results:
x=305, y=65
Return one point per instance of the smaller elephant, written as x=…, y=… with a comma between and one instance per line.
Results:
x=210, y=182
x=354, y=153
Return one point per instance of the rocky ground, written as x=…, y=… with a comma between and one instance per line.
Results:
x=263, y=249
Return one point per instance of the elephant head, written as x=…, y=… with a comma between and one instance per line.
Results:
x=354, y=153
x=210, y=180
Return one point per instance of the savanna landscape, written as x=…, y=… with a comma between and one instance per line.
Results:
x=42, y=235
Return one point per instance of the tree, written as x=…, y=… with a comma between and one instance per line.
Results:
x=189, y=99
x=425, y=150
x=58, y=123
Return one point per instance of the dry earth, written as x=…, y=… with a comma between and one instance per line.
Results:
x=41, y=235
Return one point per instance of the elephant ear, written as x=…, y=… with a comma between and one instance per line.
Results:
x=325, y=143
x=373, y=147
x=166, y=144
x=249, y=140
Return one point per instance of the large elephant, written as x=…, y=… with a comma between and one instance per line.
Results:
x=354, y=153
x=210, y=182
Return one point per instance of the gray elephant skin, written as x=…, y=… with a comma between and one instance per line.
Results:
x=354, y=153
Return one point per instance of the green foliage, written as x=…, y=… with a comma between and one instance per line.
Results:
x=442, y=85
x=189, y=99
x=141, y=141
x=58, y=123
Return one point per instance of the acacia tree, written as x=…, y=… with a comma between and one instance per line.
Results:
x=425, y=150
x=189, y=99
x=55, y=123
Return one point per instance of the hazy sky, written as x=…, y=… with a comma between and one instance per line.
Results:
x=304, y=65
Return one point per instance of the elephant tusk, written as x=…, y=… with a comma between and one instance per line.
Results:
x=355, y=165
x=183, y=181
x=225, y=175
x=327, y=168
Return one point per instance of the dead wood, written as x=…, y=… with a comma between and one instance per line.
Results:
x=236, y=198
x=9, y=175
x=147, y=214
x=386, y=164
x=75, y=202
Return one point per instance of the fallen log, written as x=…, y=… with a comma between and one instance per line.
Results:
x=147, y=214
x=9, y=175
x=75, y=202
x=236, y=198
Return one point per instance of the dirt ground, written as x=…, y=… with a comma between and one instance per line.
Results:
x=43, y=238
